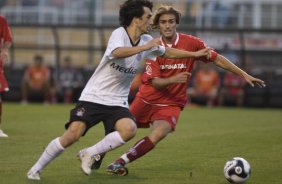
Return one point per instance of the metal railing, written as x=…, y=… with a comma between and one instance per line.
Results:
x=196, y=13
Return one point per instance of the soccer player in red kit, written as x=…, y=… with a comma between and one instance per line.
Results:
x=162, y=95
x=5, y=43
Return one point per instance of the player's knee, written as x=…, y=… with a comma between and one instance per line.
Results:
x=160, y=130
x=127, y=130
x=74, y=136
x=70, y=136
x=69, y=140
x=130, y=131
x=156, y=138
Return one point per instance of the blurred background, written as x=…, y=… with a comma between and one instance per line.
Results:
x=248, y=32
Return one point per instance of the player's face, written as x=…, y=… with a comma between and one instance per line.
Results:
x=167, y=26
x=145, y=21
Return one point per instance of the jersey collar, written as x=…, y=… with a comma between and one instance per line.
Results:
x=174, y=43
x=133, y=45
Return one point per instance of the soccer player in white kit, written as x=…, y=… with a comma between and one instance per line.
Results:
x=105, y=96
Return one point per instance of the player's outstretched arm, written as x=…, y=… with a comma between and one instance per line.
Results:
x=177, y=54
x=123, y=52
x=224, y=63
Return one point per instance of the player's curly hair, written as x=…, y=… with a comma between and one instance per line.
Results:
x=165, y=10
x=132, y=8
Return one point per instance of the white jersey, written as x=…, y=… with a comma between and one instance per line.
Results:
x=110, y=83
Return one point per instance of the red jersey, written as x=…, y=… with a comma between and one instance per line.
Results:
x=5, y=37
x=206, y=80
x=5, y=34
x=174, y=94
x=38, y=76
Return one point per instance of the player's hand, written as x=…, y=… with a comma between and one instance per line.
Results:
x=153, y=43
x=180, y=77
x=204, y=52
x=252, y=81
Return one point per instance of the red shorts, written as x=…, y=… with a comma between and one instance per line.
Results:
x=146, y=113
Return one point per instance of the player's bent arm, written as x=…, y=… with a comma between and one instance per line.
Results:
x=160, y=83
x=177, y=54
x=224, y=63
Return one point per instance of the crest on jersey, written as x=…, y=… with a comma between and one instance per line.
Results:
x=80, y=111
x=148, y=70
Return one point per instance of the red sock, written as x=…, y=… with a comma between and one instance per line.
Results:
x=121, y=161
x=142, y=147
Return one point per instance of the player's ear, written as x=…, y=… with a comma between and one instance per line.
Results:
x=135, y=21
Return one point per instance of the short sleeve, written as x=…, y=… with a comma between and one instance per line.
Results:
x=202, y=45
x=115, y=41
x=154, y=52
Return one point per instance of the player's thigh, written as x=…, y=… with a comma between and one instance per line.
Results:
x=88, y=113
x=141, y=111
x=126, y=128
x=119, y=119
x=169, y=114
x=125, y=125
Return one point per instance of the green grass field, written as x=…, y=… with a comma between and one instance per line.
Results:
x=204, y=140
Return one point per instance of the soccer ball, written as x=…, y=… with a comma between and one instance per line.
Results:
x=237, y=170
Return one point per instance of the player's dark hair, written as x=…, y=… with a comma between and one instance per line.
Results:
x=132, y=8
x=38, y=58
x=166, y=10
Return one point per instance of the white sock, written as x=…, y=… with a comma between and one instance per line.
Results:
x=110, y=142
x=53, y=150
x=125, y=158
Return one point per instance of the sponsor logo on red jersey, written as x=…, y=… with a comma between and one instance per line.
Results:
x=173, y=66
